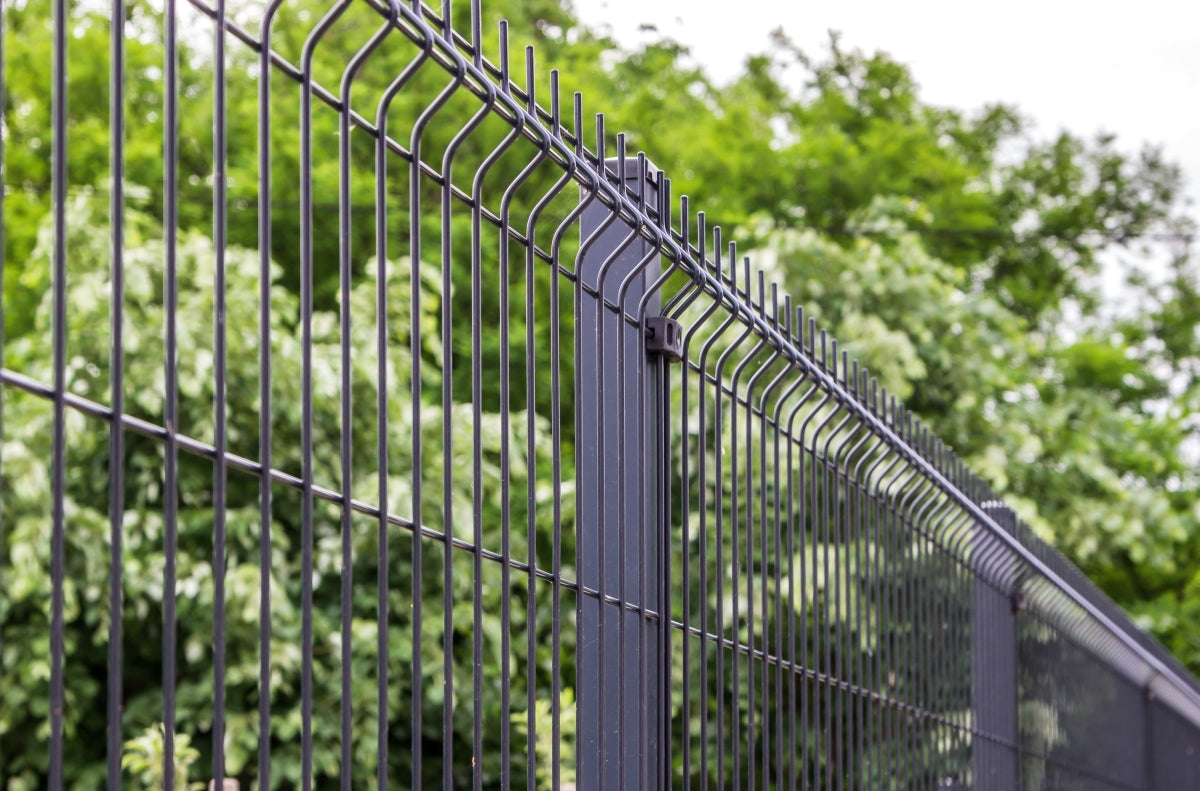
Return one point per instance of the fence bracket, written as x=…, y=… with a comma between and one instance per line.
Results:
x=664, y=338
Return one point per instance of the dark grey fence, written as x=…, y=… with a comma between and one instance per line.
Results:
x=456, y=452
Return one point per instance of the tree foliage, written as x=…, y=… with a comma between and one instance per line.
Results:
x=960, y=255
x=27, y=539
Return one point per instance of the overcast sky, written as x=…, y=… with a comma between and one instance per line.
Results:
x=1128, y=68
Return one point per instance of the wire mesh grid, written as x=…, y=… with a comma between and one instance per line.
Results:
x=389, y=492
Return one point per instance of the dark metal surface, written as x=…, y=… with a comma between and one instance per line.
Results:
x=560, y=559
x=618, y=686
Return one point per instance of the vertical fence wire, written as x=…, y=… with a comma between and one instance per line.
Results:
x=171, y=383
x=58, y=460
x=220, y=391
x=265, y=423
x=116, y=429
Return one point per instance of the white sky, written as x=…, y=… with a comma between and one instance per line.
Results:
x=1128, y=68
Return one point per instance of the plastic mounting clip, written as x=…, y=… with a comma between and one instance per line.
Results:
x=664, y=337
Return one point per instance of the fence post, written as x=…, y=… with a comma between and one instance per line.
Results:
x=1148, y=733
x=995, y=665
x=619, y=650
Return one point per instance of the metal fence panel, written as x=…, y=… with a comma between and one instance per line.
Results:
x=380, y=471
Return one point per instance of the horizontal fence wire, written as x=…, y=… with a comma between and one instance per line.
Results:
x=408, y=432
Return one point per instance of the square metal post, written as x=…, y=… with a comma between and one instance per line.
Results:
x=618, y=691
x=995, y=687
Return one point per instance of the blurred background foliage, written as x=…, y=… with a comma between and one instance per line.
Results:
x=1033, y=299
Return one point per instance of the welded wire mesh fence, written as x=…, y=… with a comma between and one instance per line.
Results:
x=448, y=449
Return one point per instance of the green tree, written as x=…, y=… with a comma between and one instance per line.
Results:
x=957, y=254
x=25, y=597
